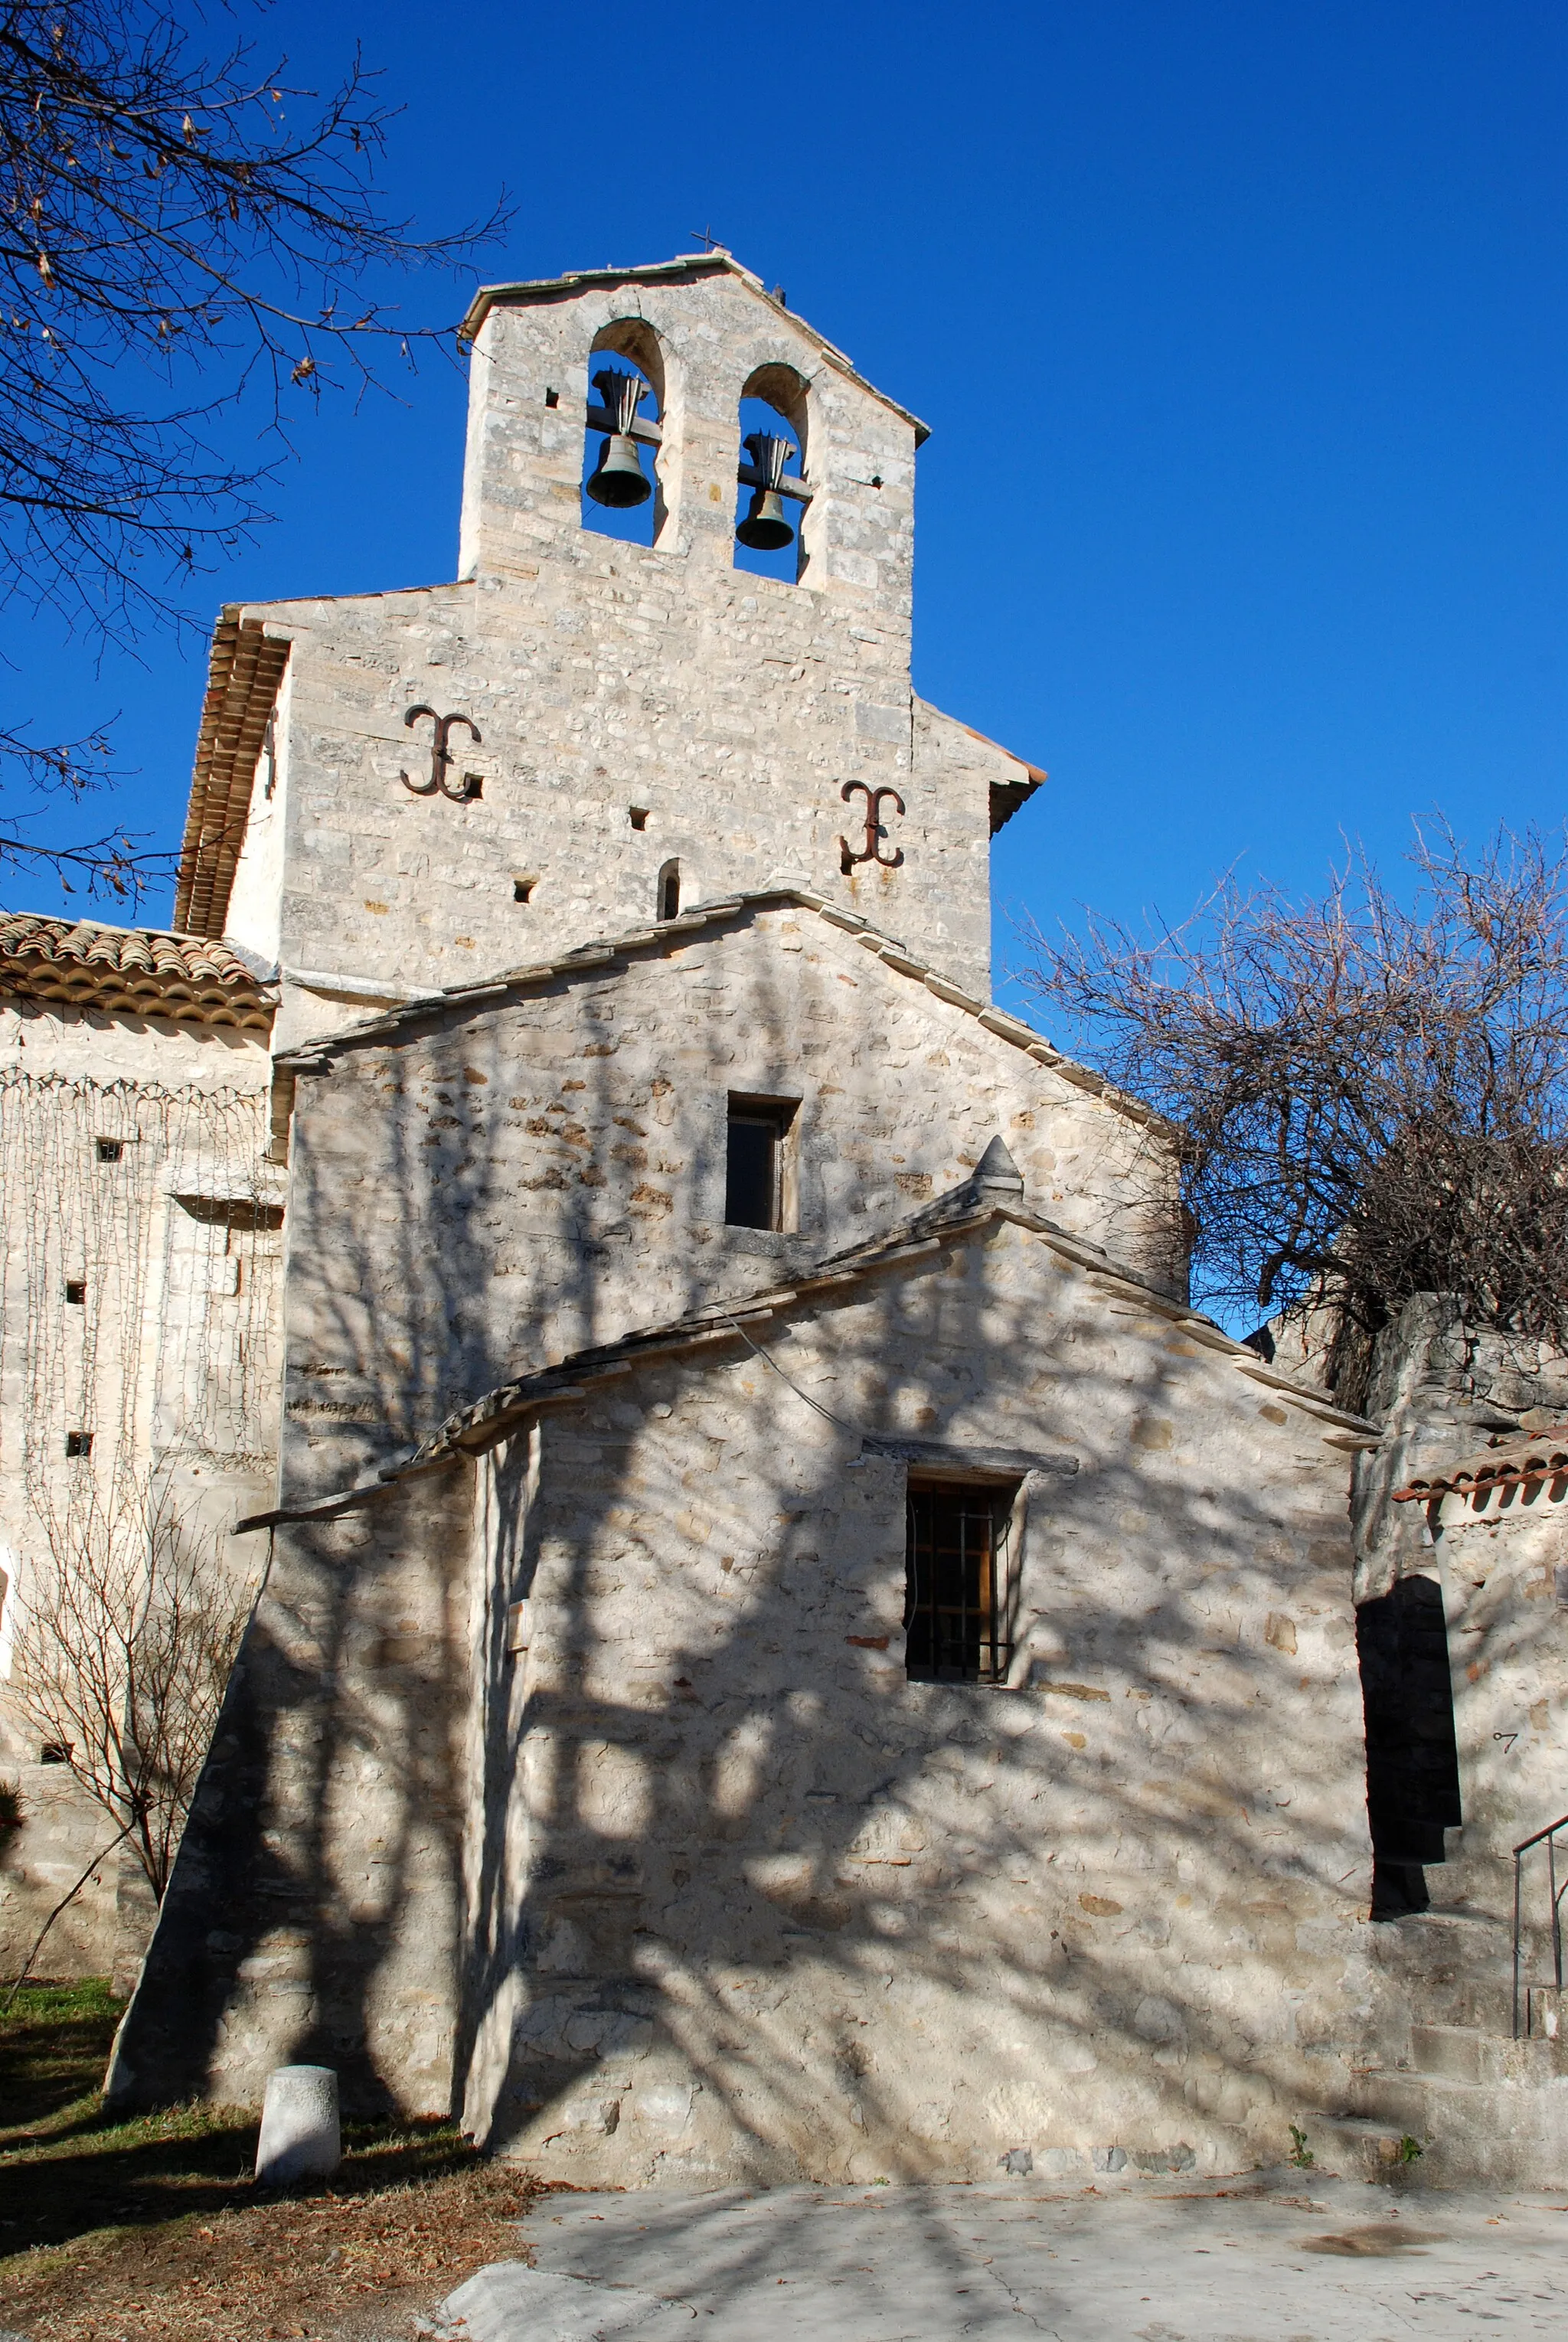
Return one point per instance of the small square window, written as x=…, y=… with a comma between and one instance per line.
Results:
x=957, y=1596
x=552, y=398
x=523, y=888
x=55, y=1752
x=109, y=1150
x=78, y=1443
x=638, y=816
x=757, y=1167
x=76, y=1291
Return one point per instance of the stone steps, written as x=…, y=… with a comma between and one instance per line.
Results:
x=1494, y=2113
x=1461, y=2053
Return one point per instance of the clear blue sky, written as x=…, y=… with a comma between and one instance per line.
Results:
x=1240, y=329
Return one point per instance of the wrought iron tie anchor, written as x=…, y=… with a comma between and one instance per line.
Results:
x=470, y=785
x=875, y=828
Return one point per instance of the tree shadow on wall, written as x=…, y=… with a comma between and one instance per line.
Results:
x=356, y=1866
x=684, y=1922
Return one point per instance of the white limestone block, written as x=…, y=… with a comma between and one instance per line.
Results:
x=300, y=2138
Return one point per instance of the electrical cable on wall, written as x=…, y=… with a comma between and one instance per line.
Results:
x=826, y=1413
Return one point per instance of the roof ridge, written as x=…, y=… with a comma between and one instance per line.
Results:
x=315, y=1055
x=112, y=927
x=717, y=262
x=471, y=1430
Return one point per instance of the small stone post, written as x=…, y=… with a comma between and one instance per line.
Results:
x=299, y=2128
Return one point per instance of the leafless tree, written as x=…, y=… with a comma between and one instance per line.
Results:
x=1369, y=1087
x=181, y=231
x=128, y=1631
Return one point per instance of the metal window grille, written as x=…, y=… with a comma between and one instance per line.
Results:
x=956, y=1609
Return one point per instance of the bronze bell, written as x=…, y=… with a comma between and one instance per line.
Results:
x=766, y=528
x=619, y=480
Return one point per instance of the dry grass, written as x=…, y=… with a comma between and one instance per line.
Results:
x=123, y=2232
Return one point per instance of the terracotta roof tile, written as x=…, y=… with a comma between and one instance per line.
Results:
x=243, y=677
x=1507, y=1463
x=145, y=970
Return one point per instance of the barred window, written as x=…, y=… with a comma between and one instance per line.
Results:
x=957, y=1611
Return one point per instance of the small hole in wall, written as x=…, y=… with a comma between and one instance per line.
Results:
x=76, y=1291
x=55, y=1752
x=109, y=1150
x=552, y=398
x=876, y=479
x=523, y=889
x=78, y=1443
x=639, y=816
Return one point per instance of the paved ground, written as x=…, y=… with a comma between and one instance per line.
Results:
x=1280, y=2257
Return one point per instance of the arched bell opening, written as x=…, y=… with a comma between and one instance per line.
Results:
x=772, y=499
x=623, y=489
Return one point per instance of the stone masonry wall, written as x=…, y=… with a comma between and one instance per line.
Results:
x=153, y=1364
x=512, y=1181
x=1508, y=1646
x=762, y=1908
x=729, y=710
x=740, y=1900
x=315, y=1906
x=1440, y=1387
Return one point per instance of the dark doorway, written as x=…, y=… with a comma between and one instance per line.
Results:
x=1412, y=1758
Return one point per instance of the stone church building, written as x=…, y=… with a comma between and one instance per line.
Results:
x=783, y=1646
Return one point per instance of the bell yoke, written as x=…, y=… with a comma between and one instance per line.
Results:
x=619, y=481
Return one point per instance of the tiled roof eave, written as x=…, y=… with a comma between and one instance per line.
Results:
x=134, y=971
x=245, y=674
x=1484, y=1485
x=1514, y=1463
x=173, y=1006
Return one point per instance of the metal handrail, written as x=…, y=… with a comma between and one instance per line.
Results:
x=1549, y=1837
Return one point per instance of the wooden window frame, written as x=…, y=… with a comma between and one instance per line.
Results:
x=781, y=1115
x=984, y=1656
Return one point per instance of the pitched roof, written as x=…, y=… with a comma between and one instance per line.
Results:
x=992, y=1192
x=145, y=970
x=1526, y=1461
x=243, y=677
x=614, y=954
x=682, y=269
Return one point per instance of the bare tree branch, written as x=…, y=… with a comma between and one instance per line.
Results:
x=129, y=1630
x=181, y=236
x=1373, y=1095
